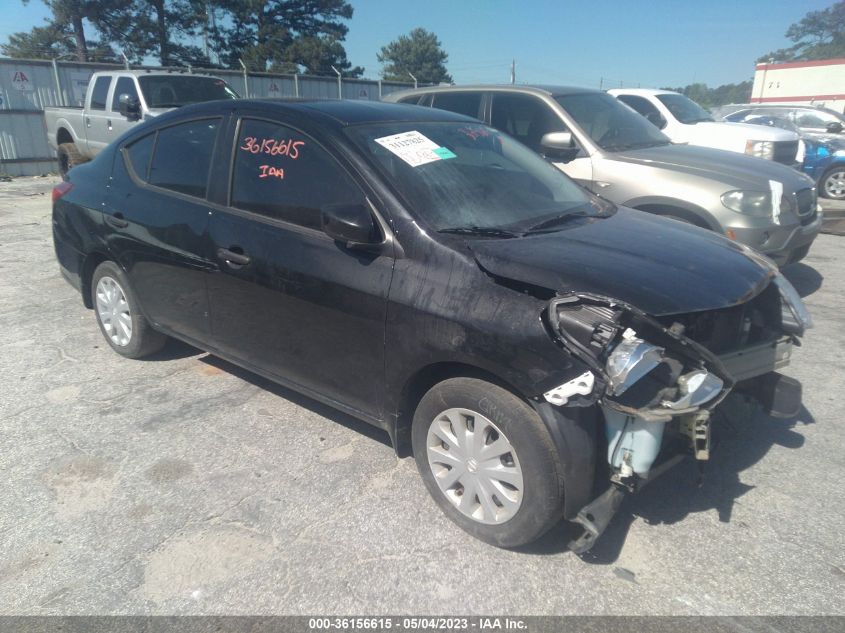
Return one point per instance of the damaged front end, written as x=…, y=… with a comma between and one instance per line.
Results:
x=657, y=379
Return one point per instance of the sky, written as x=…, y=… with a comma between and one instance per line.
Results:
x=650, y=43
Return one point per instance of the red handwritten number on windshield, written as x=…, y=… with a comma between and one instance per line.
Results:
x=272, y=147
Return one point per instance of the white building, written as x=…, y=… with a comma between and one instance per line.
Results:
x=820, y=82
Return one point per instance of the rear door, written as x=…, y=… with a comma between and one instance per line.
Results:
x=157, y=214
x=97, y=116
x=287, y=299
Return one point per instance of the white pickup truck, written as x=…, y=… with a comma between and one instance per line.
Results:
x=684, y=121
x=117, y=100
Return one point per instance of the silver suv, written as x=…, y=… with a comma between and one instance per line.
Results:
x=619, y=155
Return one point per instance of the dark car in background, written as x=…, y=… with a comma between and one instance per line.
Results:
x=539, y=350
x=823, y=154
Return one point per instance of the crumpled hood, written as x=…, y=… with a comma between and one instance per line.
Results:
x=734, y=169
x=660, y=266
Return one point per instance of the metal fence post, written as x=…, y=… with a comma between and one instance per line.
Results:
x=296, y=84
x=246, y=79
x=379, y=89
x=339, y=83
x=60, y=95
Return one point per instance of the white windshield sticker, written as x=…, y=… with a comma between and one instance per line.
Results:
x=414, y=148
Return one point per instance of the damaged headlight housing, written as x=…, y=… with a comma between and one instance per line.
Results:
x=755, y=203
x=794, y=315
x=629, y=361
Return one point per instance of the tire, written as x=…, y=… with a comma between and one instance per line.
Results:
x=118, y=314
x=518, y=493
x=69, y=157
x=832, y=184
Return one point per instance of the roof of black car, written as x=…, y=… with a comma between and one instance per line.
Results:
x=341, y=112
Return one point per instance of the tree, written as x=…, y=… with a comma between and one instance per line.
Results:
x=63, y=36
x=417, y=53
x=282, y=32
x=818, y=35
x=317, y=55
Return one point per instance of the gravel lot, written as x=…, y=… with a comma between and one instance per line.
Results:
x=183, y=484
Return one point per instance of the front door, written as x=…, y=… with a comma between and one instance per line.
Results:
x=527, y=119
x=97, y=116
x=288, y=300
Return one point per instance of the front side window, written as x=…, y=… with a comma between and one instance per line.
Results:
x=174, y=91
x=124, y=85
x=466, y=103
x=470, y=178
x=525, y=118
x=100, y=92
x=282, y=174
x=684, y=109
x=612, y=126
x=182, y=157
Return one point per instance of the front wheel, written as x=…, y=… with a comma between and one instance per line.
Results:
x=832, y=184
x=118, y=314
x=488, y=461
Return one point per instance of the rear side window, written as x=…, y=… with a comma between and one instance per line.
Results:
x=124, y=85
x=139, y=154
x=282, y=174
x=182, y=157
x=100, y=93
x=468, y=103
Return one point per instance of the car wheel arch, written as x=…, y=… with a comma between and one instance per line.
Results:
x=416, y=386
x=689, y=213
x=63, y=136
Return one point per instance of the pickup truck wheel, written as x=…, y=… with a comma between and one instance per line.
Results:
x=69, y=157
x=832, y=184
x=488, y=461
x=118, y=314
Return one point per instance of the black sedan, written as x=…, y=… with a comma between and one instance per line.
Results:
x=540, y=351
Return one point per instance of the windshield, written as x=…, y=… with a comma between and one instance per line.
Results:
x=173, y=91
x=469, y=178
x=612, y=125
x=683, y=109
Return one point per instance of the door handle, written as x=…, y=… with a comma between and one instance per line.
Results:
x=232, y=257
x=116, y=220
x=88, y=121
x=108, y=122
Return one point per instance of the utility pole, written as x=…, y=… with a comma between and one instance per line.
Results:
x=601, y=83
x=513, y=71
x=414, y=78
x=339, y=83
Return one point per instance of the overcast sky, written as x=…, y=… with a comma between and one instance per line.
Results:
x=652, y=43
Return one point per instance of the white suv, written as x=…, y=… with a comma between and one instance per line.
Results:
x=684, y=121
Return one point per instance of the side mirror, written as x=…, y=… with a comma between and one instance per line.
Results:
x=834, y=127
x=351, y=224
x=558, y=145
x=129, y=106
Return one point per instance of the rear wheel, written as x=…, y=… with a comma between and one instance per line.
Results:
x=69, y=157
x=832, y=184
x=125, y=329
x=488, y=461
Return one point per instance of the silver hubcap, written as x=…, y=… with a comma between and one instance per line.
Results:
x=113, y=310
x=834, y=185
x=475, y=466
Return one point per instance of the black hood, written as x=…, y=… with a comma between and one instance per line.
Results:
x=660, y=266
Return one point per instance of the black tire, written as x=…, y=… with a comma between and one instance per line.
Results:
x=541, y=505
x=837, y=173
x=142, y=340
x=69, y=157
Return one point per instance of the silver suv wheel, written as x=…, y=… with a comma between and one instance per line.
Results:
x=475, y=466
